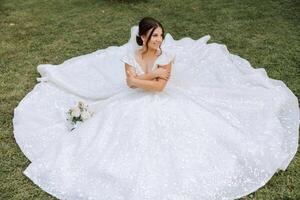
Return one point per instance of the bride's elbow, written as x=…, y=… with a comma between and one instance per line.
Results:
x=131, y=86
x=159, y=89
x=160, y=86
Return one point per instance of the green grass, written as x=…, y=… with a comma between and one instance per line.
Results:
x=32, y=32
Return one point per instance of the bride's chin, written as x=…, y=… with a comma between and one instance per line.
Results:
x=154, y=48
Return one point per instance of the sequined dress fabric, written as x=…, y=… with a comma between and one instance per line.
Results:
x=219, y=130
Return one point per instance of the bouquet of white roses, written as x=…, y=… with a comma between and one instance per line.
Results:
x=78, y=114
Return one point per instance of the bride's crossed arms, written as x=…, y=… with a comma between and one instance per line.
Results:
x=155, y=80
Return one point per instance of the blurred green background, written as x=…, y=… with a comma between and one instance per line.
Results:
x=32, y=32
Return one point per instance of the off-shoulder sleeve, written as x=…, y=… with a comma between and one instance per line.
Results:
x=165, y=58
x=128, y=59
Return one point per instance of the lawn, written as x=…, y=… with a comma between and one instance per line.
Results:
x=32, y=32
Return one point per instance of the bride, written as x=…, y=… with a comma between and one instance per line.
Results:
x=173, y=120
x=150, y=38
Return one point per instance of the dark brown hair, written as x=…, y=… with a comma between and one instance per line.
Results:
x=145, y=25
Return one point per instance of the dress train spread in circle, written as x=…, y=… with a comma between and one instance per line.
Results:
x=219, y=130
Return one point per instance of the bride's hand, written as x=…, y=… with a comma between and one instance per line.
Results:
x=130, y=79
x=162, y=73
x=131, y=73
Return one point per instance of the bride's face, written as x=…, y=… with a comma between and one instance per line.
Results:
x=155, y=40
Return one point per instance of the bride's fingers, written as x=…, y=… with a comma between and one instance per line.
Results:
x=132, y=73
x=129, y=73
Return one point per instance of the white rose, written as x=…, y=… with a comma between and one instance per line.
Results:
x=85, y=115
x=80, y=105
x=75, y=112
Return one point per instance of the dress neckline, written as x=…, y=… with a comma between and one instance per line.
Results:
x=141, y=68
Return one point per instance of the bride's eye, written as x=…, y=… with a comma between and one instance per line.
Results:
x=156, y=35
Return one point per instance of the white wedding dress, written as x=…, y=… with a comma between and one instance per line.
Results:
x=219, y=130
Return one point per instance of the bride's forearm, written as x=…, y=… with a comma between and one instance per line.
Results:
x=147, y=76
x=151, y=85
